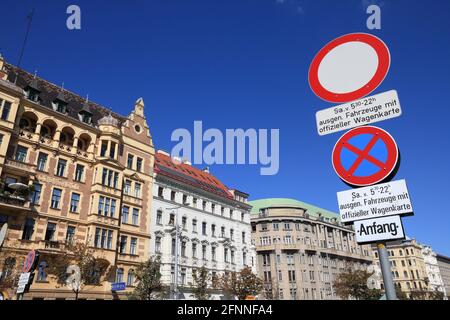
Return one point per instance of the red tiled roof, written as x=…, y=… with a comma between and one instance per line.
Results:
x=188, y=174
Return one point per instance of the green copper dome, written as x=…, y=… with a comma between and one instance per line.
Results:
x=290, y=203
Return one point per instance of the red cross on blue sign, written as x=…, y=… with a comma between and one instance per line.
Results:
x=365, y=156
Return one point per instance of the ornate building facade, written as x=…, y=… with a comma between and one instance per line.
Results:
x=72, y=170
x=302, y=248
x=213, y=221
x=414, y=268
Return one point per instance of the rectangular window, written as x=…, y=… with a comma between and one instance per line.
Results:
x=97, y=237
x=123, y=244
x=213, y=253
x=56, y=198
x=133, y=246
x=125, y=211
x=139, y=164
x=103, y=148
x=204, y=228
x=116, y=180
x=74, y=202
x=61, y=167
x=21, y=154
x=127, y=187
x=6, y=109
x=194, y=226
x=28, y=229
x=194, y=250
x=160, y=192
x=158, y=244
x=291, y=274
x=135, y=217
x=35, y=196
x=79, y=171
x=113, y=208
x=109, y=244
x=42, y=161
x=137, y=190
x=112, y=150
x=159, y=217
x=70, y=235
x=204, y=252
x=130, y=161
x=50, y=232
x=103, y=238
x=101, y=205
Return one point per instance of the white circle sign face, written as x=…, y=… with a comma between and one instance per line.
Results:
x=349, y=67
x=358, y=61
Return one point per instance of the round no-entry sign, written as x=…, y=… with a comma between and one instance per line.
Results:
x=365, y=156
x=349, y=67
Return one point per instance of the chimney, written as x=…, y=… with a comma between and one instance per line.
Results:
x=206, y=170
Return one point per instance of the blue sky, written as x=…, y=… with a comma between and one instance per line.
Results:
x=244, y=64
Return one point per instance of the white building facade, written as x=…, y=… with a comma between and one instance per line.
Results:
x=432, y=269
x=214, y=224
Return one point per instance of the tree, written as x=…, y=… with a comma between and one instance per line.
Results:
x=200, y=285
x=148, y=276
x=426, y=295
x=401, y=295
x=241, y=284
x=92, y=270
x=9, y=272
x=352, y=284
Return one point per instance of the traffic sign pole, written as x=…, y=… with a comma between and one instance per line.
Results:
x=385, y=266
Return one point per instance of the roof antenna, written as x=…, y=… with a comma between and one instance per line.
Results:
x=35, y=74
x=30, y=19
x=62, y=85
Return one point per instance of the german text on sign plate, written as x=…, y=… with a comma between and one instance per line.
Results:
x=23, y=281
x=369, y=110
x=381, y=200
x=379, y=229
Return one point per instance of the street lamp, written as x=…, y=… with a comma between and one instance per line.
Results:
x=177, y=236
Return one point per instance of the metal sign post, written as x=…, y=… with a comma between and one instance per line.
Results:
x=346, y=70
x=385, y=266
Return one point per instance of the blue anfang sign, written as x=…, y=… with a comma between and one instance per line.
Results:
x=118, y=286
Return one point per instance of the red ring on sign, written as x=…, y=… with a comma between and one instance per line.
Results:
x=386, y=168
x=384, y=62
x=29, y=260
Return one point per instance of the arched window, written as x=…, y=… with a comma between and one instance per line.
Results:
x=119, y=275
x=130, y=278
x=42, y=274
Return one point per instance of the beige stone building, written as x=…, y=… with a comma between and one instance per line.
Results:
x=302, y=248
x=89, y=172
x=444, y=269
x=408, y=267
